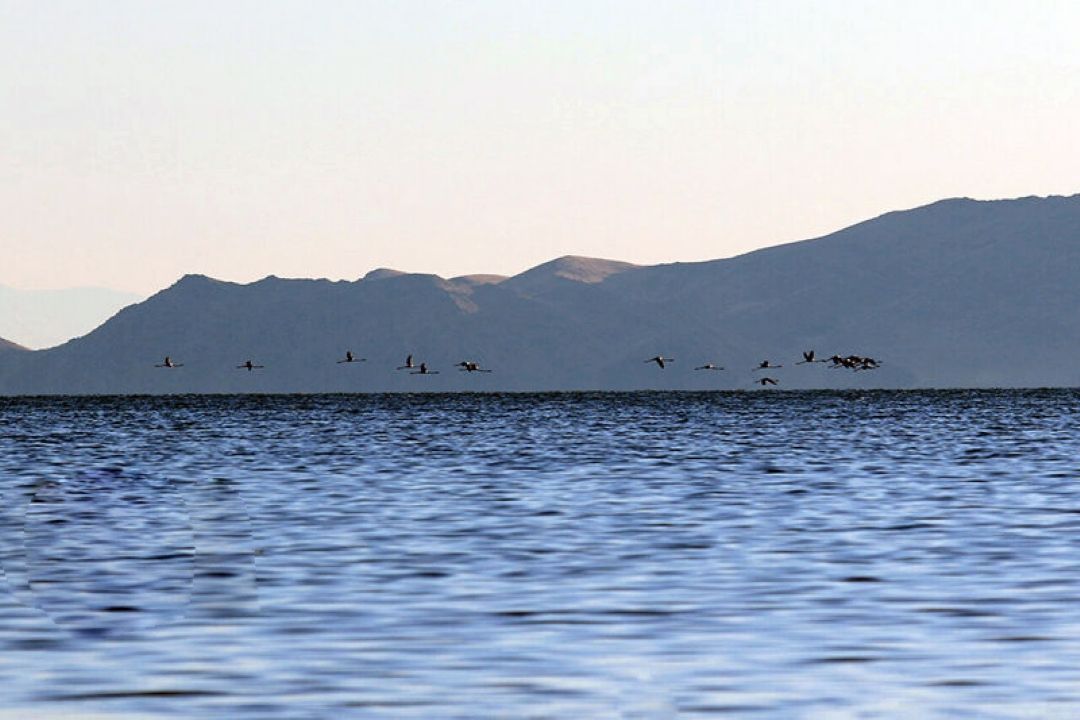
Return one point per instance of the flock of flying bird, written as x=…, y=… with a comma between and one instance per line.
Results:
x=421, y=369
x=849, y=362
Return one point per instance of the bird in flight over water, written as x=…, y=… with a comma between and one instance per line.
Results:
x=808, y=357
x=868, y=363
x=660, y=360
x=350, y=358
x=424, y=370
x=709, y=366
x=408, y=364
x=765, y=365
x=169, y=363
x=470, y=366
x=249, y=366
x=766, y=381
x=854, y=362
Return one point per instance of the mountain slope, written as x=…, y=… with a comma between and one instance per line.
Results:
x=45, y=318
x=955, y=294
x=6, y=346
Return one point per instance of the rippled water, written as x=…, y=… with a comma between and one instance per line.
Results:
x=568, y=556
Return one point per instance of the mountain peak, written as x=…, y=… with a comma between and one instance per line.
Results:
x=195, y=277
x=572, y=268
x=382, y=274
x=585, y=269
x=195, y=280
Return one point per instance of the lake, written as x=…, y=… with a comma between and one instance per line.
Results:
x=643, y=555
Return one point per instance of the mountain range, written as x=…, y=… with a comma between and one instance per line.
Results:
x=959, y=293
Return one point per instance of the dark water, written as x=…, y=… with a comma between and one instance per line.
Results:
x=525, y=556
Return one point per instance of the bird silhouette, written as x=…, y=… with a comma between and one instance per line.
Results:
x=764, y=365
x=854, y=362
x=249, y=366
x=408, y=364
x=470, y=366
x=766, y=381
x=424, y=370
x=708, y=366
x=660, y=360
x=169, y=363
x=350, y=358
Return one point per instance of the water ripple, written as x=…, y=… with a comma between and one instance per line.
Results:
x=802, y=554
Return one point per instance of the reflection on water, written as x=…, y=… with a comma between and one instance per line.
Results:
x=610, y=556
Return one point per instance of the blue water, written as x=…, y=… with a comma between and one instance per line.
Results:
x=772, y=554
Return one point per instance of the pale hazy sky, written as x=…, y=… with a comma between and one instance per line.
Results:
x=143, y=140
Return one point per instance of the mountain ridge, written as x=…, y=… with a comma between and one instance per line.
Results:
x=958, y=293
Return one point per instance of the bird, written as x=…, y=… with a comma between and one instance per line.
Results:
x=660, y=360
x=169, y=363
x=808, y=357
x=854, y=362
x=408, y=364
x=249, y=366
x=764, y=365
x=424, y=370
x=766, y=381
x=470, y=366
x=845, y=362
x=349, y=358
x=708, y=366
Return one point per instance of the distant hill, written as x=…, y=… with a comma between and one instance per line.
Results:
x=960, y=293
x=45, y=318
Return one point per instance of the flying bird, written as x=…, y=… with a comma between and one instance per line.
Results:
x=766, y=381
x=854, y=362
x=408, y=364
x=424, y=370
x=808, y=357
x=764, y=365
x=708, y=366
x=249, y=366
x=349, y=358
x=660, y=360
x=470, y=366
x=169, y=363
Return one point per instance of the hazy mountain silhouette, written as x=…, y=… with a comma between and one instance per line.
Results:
x=959, y=293
x=44, y=318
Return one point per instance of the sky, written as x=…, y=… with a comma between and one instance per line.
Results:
x=142, y=141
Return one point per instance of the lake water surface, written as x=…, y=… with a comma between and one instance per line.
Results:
x=651, y=555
